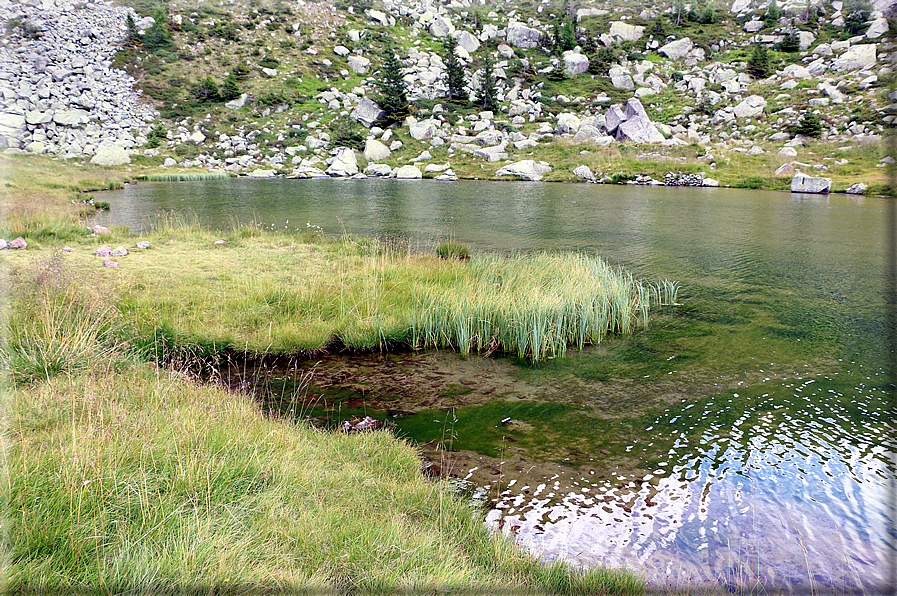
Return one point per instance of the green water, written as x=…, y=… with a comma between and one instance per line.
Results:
x=738, y=441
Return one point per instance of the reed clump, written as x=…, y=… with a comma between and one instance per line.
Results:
x=184, y=176
x=535, y=306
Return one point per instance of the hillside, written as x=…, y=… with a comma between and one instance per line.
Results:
x=602, y=91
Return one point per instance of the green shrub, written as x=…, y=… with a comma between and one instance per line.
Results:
x=269, y=62
x=156, y=136
x=25, y=28
x=347, y=133
x=453, y=250
x=758, y=64
x=809, y=125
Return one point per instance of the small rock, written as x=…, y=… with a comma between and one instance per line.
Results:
x=143, y=244
x=3, y=245
x=110, y=263
x=68, y=249
x=121, y=251
x=220, y=242
x=103, y=251
x=18, y=243
x=99, y=230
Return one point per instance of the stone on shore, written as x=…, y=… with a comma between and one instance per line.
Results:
x=526, y=169
x=810, y=184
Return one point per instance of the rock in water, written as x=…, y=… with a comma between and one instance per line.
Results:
x=810, y=184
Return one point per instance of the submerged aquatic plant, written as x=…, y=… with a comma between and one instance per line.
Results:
x=536, y=306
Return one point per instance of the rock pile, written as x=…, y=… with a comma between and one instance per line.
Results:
x=58, y=91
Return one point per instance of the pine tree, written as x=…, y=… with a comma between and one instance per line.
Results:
x=230, y=89
x=207, y=90
x=773, y=14
x=454, y=72
x=856, y=15
x=810, y=125
x=132, y=37
x=158, y=37
x=487, y=94
x=758, y=65
x=791, y=43
x=393, y=94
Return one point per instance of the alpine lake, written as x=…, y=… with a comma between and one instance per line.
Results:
x=740, y=442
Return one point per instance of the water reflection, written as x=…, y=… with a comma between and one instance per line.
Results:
x=792, y=495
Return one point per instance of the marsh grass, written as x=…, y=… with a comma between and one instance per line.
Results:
x=535, y=306
x=184, y=176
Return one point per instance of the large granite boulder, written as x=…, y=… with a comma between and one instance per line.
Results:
x=527, y=169
x=367, y=112
x=676, y=50
x=422, y=131
x=626, y=32
x=374, y=150
x=575, y=63
x=359, y=64
x=408, y=173
x=469, y=42
x=344, y=163
x=567, y=123
x=109, y=154
x=638, y=129
x=612, y=118
x=750, y=107
x=878, y=28
x=521, y=36
x=810, y=184
x=592, y=134
x=856, y=58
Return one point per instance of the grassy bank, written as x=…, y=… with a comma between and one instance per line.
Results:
x=125, y=476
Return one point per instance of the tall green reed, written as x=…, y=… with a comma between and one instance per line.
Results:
x=536, y=306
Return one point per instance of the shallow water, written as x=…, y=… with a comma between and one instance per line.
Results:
x=739, y=441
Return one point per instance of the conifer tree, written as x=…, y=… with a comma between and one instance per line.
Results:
x=158, y=37
x=454, y=72
x=230, y=89
x=487, y=94
x=392, y=94
x=132, y=38
x=758, y=65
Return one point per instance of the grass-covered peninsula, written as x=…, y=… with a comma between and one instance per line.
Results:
x=125, y=472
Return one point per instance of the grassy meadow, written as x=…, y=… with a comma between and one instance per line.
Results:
x=125, y=474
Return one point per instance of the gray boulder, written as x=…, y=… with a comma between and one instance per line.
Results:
x=236, y=104
x=575, y=63
x=856, y=189
x=786, y=169
x=378, y=169
x=750, y=107
x=468, y=42
x=374, y=150
x=408, y=173
x=109, y=154
x=527, y=169
x=344, y=163
x=591, y=134
x=380, y=18
x=359, y=64
x=810, y=184
x=625, y=31
x=441, y=26
x=521, y=36
x=675, y=50
x=584, y=172
x=367, y=112
x=856, y=58
x=422, y=131
x=612, y=119
x=878, y=28
x=18, y=243
x=639, y=129
x=567, y=122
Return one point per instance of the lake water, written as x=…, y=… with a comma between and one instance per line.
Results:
x=741, y=441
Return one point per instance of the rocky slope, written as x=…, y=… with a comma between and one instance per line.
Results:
x=61, y=95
